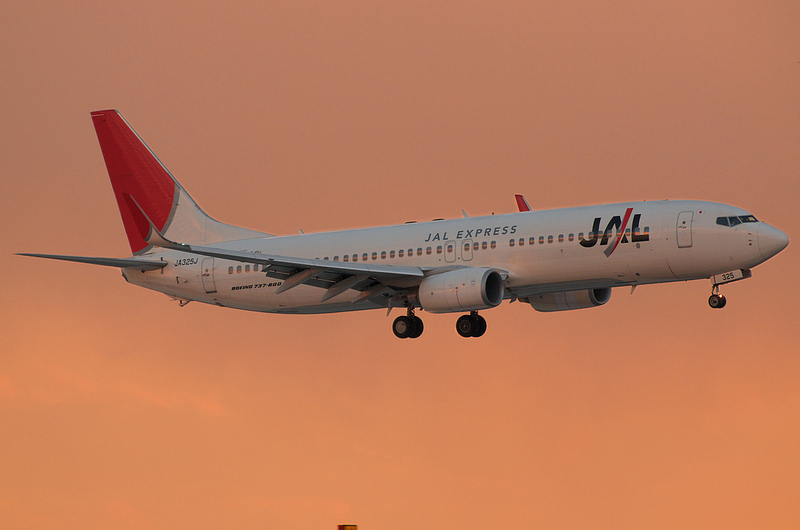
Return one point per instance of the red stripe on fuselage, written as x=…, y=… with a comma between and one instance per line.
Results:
x=621, y=233
x=134, y=171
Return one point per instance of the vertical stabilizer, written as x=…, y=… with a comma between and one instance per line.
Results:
x=139, y=178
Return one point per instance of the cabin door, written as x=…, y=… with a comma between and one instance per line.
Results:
x=207, y=270
x=685, y=229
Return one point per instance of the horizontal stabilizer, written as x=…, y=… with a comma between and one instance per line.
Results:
x=120, y=263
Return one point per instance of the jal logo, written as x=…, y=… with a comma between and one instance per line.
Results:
x=616, y=229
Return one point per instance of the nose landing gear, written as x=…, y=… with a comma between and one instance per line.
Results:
x=716, y=300
x=408, y=326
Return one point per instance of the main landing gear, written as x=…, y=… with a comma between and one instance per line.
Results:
x=409, y=326
x=472, y=325
x=716, y=300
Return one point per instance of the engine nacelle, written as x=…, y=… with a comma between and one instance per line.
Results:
x=566, y=300
x=467, y=289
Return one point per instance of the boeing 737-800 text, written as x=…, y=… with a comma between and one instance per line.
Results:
x=553, y=260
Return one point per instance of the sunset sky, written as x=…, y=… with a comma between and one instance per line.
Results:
x=119, y=409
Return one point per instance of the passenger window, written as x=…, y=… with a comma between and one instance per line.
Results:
x=247, y=268
x=549, y=239
x=410, y=252
x=391, y=254
x=428, y=251
x=238, y=269
x=521, y=241
x=511, y=242
x=400, y=253
x=230, y=269
x=466, y=247
x=532, y=241
x=484, y=246
x=572, y=237
x=383, y=254
x=355, y=257
x=476, y=246
x=326, y=258
x=560, y=238
x=336, y=258
x=419, y=251
x=345, y=258
x=580, y=236
x=450, y=248
x=541, y=240
x=439, y=249
x=364, y=256
x=494, y=245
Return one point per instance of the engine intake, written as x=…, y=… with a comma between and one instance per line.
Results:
x=566, y=300
x=467, y=289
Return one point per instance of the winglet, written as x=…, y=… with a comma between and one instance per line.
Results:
x=154, y=237
x=522, y=204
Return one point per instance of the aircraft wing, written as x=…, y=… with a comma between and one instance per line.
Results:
x=335, y=277
x=120, y=263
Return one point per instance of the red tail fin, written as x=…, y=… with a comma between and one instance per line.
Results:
x=142, y=184
x=135, y=172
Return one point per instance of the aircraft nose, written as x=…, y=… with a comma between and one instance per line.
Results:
x=771, y=240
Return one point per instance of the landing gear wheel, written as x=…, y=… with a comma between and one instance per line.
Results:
x=466, y=325
x=716, y=301
x=481, y=327
x=408, y=326
x=472, y=325
x=418, y=328
x=403, y=327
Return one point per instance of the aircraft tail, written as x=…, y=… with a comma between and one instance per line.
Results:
x=142, y=184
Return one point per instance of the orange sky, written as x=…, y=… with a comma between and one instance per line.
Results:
x=118, y=409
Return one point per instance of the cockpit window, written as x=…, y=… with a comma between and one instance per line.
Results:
x=734, y=220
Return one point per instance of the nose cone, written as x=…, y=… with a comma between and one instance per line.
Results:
x=771, y=240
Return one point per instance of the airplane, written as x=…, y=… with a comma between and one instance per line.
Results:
x=552, y=260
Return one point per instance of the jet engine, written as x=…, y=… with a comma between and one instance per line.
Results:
x=468, y=289
x=566, y=300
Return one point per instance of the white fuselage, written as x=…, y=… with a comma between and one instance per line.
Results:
x=537, y=252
